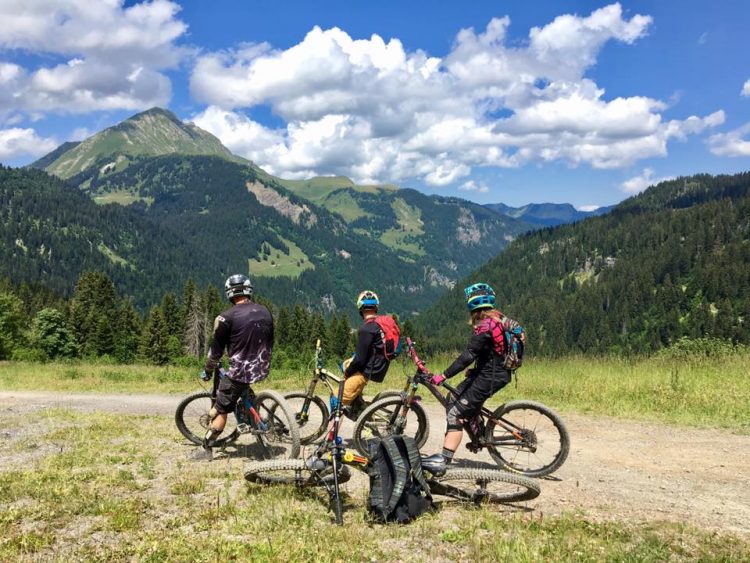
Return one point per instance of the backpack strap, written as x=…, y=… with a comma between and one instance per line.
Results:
x=415, y=461
x=399, y=468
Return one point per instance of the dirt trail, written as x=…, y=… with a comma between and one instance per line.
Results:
x=617, y=469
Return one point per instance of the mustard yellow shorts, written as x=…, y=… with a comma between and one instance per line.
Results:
x=353, y=385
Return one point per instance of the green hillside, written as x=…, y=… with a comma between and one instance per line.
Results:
x=318, y=259
x=51, y=232
x=672, y=262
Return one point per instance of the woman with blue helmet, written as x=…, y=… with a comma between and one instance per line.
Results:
x=486, y=350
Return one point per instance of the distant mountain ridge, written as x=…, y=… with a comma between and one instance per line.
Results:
x=547, y=214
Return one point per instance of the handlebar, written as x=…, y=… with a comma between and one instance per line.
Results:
x=421, y=367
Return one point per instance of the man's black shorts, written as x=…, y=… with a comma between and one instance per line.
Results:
x=227, y=394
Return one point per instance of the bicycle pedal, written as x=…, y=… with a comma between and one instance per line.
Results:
x=243, y=428
x=473, y=447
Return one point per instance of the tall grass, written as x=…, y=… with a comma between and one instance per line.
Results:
x=687, y=389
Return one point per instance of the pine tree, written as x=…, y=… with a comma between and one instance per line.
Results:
x=93, y=306
x=128, y=332
x=195, y=322
x=155, y=338
x=11, y=322
x=171, y=313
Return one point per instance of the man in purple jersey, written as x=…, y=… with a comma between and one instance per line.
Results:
x=245, y=330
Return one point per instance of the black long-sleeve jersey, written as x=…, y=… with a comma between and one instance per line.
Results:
x=246, y=330
x=369, y=359
x=481, y=349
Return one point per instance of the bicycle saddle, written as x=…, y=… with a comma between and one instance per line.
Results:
x=435, y=464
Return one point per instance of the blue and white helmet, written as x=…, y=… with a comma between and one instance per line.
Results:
x=479, y=296
x=367, y=300
x=237, y=285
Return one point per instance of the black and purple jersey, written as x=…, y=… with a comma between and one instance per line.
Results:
x=246, y=332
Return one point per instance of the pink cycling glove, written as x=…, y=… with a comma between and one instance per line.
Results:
x=437, y=379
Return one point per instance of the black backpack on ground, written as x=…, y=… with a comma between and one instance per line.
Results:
x=398, y=490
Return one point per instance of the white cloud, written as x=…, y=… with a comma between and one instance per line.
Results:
x=746, y=88
x=113, y=55
x=588, y=208
x=639, y=183
x=734, y=143
x=473, y=186
x=703, y=38
x=16, y=142
x=369, y=109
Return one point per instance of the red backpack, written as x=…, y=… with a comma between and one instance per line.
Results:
x=391, y=335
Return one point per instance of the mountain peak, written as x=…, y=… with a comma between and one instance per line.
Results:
x=154, y=132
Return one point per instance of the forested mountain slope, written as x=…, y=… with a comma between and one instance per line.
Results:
x=671, y=262
x=51, y=232
x=297, y=251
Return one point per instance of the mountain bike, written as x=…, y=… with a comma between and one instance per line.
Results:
x=266, y=415
x=328, y=467
x=523, y=437
x=310, y=411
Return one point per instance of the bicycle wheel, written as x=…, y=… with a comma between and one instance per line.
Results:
x=484, y=486
x=313, y=423
x=384, y=417
x=277, y=434
x=291, y=472
x=192, y=420
x=544, y=443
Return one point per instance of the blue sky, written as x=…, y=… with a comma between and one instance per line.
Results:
x=504, y=101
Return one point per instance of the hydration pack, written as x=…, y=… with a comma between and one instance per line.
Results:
x=513, y=349
x=507, y=341
x=391, y=335
x=398, y=489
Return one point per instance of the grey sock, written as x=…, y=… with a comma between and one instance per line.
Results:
x=448, y=455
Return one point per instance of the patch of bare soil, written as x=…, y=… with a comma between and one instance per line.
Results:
x=617, y=469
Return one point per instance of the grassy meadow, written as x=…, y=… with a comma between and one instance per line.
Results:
x=77, y=486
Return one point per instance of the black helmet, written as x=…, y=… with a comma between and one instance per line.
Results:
x=237, y=285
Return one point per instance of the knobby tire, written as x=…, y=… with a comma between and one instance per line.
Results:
x=547, y=431
x=484, y=486
x=192, y=420
x=309, y=430
x=279, y=416
x=291, y=472
x=380, y=419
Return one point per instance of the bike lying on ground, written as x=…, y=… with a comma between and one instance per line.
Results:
x=310, y=410
x=266, y=415
x=329, y=467
x=521, y=436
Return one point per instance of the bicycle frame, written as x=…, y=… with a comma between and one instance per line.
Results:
x=321, y=374
x=244, y=411
x=422, y=377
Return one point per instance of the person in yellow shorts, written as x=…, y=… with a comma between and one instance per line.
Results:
x=369, y=360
